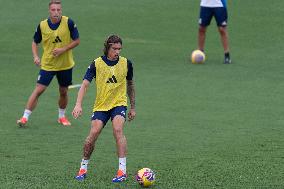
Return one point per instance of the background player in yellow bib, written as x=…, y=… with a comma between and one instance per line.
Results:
x=114, y=79
x=59, y=35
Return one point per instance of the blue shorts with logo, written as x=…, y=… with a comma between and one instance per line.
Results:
x=105, y=115
x=220, y=14
x=64, y=77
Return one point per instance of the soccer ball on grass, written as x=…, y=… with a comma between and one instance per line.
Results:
x=145, y=177
x=197, y=57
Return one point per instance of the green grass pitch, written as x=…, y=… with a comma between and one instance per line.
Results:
x=197, y=126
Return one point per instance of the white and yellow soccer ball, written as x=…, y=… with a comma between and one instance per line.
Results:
x=197, y=57
x=145, y=177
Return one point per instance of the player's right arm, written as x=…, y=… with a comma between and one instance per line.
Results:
x=77, y=111
x=89, y=75
x=35, y=54
x=36, y=41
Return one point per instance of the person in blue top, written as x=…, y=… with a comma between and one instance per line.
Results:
x=113, y=76
x=58, y=35
x=208, y=10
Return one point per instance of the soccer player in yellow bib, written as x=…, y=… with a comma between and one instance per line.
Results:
x=59, y=35
x=114, y=79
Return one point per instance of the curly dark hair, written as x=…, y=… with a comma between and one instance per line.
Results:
x=109, y=41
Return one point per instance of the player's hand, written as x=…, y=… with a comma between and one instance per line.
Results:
x=131, y=114
x=37, y=60
x=77, y=111
x=58, y=51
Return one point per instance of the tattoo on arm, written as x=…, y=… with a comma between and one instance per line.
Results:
x=131, y=93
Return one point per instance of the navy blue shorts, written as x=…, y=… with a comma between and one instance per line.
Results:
x=64, y=77
x=105, y=115
x=206, y=14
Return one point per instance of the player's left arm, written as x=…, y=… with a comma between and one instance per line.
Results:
x=74, y=34
x=131, y=91
x=131, y=95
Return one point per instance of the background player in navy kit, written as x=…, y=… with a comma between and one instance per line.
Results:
x=59, y=35
x=114, y=78
x=217, y=9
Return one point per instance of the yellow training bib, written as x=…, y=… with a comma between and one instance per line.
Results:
x=52, y=39
x=110, y=84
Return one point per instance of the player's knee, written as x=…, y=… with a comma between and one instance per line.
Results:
x=38, y=93
x=222, y=31
x=202, y=29
x=117, y=132
x=39, y=89
x=94, y=133
x=63, y=93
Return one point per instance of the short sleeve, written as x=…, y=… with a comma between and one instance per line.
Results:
x=74, y=33
x=37, y=35
x=130, y=70
x=91, y=72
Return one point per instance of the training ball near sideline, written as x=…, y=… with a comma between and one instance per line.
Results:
x=145, y=177
x=197, y=57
